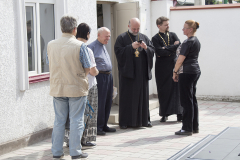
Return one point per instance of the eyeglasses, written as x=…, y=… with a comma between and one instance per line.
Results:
x=185, y=28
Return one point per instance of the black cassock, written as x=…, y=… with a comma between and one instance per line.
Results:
x=134, y=74
x=168, y=92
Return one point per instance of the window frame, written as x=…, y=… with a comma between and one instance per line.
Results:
x=37, y=49
x=30, y=73
x=60, y=8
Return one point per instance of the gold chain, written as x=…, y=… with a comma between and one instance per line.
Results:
x=136, y=52
x=164, y=40
x=131, y=38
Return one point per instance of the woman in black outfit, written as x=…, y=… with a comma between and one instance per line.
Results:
x=187, y=72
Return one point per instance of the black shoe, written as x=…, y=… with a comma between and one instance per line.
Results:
x=179, y=118
x=110, y=130
x=123, y=127
x=196, y=131
x=88, y=144
x=164, y=119
x=83, y=155
x=102, y=133
x=149, y=124
x=183, y=133
x=58, y=157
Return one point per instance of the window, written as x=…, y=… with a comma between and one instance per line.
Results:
x=40, y=26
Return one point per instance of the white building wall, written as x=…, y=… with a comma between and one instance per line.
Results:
x=22, y=113
x=146, y=18
x=86, y=12
x=219, y=55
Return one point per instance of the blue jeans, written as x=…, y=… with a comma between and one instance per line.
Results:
x=75, y=107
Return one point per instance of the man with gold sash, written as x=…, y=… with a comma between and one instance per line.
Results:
x=166, y=44
x=134, y=52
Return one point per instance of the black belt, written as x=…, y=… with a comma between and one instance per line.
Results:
x=105, y=72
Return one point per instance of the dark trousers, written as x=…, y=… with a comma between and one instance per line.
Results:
x=105, y=91
x=187, y=87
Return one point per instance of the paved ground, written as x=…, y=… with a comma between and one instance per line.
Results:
x=158, y=142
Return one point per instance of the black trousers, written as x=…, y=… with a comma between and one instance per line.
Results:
x=105, y=91
x=187, y=87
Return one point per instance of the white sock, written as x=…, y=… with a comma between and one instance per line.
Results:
x=182, y=130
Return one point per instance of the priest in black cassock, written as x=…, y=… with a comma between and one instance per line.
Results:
x=134, y=53
x=166, y=44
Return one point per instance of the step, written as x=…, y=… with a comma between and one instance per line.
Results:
x=113, y=118
x=224, y=146
x=191, y=148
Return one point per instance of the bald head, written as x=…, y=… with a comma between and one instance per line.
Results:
x=104, y=35
x=134, y=26
x=103, y=29
x=134, y=21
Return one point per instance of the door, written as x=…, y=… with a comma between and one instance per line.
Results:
x=123, y=12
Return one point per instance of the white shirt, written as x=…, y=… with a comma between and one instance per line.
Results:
x=91, y=79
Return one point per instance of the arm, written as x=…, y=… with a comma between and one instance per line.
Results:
x=174, y=46
x=178, y=64
x=87, y=70
x=84, y=59
x=94, y=71
x=183, y=53
x=148, y=46
x=158, y=48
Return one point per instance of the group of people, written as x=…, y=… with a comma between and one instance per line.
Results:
x=81, y=82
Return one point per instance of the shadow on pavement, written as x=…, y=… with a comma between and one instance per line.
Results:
x=38, y=155
x=149, y=140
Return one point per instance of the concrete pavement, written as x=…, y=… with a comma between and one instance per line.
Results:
x=158, y=142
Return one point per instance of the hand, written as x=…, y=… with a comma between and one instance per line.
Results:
x=163, y=47
x=175, y=77
x=176, y=42
x=135, y=45
x=143, y=45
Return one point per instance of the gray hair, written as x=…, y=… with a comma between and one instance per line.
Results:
x=68, y=23
x=100, y=30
